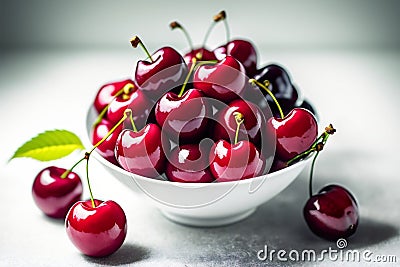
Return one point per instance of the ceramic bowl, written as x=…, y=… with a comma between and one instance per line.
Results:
x=204, y=204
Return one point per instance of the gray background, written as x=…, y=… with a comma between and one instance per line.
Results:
x=344, y=55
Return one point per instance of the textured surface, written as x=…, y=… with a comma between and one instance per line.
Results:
x=355, y=90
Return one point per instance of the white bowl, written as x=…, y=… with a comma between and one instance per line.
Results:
x=204, y=204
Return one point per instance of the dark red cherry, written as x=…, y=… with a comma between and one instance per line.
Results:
x=254, y=121
x=55, y=195
x=235, y=162
x=295, y=133
x=166, y=71
x=223, y=81
x=307, y=105
x=185, y=117
x=241, y=50
x=277, y=165
x=141, y=152
x=135, y=100
x=280, y=85
x=106, y=149
x=201, y=54
x=107, y=92
x=96, y=231
x=188, y=164
x=332, y=213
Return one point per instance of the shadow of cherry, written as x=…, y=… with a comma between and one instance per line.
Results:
x=127, y=254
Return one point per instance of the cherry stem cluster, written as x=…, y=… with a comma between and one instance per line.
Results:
x=265, y=87
x=135, y=41
x=239, y=118
x=125, y=91
x=317, y=147
x=127, y=113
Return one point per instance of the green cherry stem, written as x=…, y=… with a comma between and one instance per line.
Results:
x=177, y=25
x=125, y=92
x=265, y=87
x=135, y=41
x=239, y=118
x=127, y=113
x=188, y=76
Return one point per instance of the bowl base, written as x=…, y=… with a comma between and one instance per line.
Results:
x=207, y=222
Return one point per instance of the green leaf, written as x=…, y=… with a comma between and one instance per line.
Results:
x=49, y=145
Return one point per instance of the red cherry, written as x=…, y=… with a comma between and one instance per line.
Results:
x=187, y=164
x=135, y=100
x=254, y=121
x=332, y=213
x=107, y=92
x=235, y=162
x=205, y=55
x=55, y=195
x=185, y=116
x=106, y=149
x=224, y=81
x=241, y=50
x=165, y=70
x=141, y=152
x=295, y=133
x=96, y=231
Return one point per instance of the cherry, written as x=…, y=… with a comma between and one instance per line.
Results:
x=106, y=148
x=187, y=164
x=295, y=132
x=141, y=152
x=225, y=126
x=241, y=50
x=238, y=161
x=132, y=98
x=224, y=81
x=280, y=85
x=332, y=213
x=165, y=70
x=98, y=230
x=307, y=105
x=107, y=93
x=55, y=194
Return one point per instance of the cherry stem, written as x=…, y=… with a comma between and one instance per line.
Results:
x=177, y=25
x=310, y=189
x=87, y=155
x=65, y=174
x=135, y=41
x=126, y=90
x=265, y=87
x=220, y=16
x=239, y=118
x=188, y=76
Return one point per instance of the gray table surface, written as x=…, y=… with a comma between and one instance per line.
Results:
x=356, y=90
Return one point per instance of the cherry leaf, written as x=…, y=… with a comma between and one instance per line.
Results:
x=49, y=145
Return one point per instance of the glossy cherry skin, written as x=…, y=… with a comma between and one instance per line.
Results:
x=99, y=231
x=106, y=149
x=226, y=125
x=107, y=92
x=224, y=81
x=241, y=50
x=141, y=152
x=188, y=164
x=295, y=133
x=55, y=195
x=277, y=165
x=166, y=72
x=332, y=213
x=185, y=117
x=137, y=101
x=205, y=55
x=280, y=85
x=235, y=162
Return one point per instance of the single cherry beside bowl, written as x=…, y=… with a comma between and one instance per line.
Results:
x=55, y=195
x=96, y=230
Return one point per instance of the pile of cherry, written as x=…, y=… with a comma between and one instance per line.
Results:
x=254, y=117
